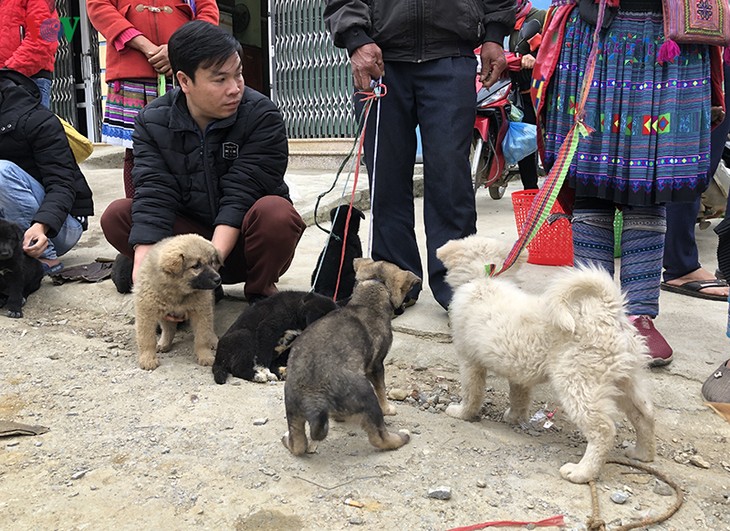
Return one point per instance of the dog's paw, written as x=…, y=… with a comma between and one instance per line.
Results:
x=286, y=340
x=405, y=436
x=640, y=454
x=312, y=447
x=457, y=411
x=575, y=473
x=164, y=347
x=148, y=363
x=206, y=359
x=389, y=409
x=263, y=375
x=512, y=417
x=15, y=314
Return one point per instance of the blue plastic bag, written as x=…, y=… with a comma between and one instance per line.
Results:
x=520, y=141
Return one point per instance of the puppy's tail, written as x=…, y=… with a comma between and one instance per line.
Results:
x=319, y=425
x=220, y=374
x=584, y=294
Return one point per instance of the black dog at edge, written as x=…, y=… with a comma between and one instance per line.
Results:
x=328, y=262
x=20, y=275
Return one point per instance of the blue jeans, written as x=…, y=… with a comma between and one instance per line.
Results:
x=44, y=85
x=20, y=198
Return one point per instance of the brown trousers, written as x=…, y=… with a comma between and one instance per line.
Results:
x=270, y=232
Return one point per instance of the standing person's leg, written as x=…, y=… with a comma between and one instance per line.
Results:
x=642, y=250
x=719, y=137
x=593, y=238
x=446, y=107
x=20, y=198
x=391, y=182
x=528, y=165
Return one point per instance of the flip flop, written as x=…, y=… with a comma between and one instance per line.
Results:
x=693, y=287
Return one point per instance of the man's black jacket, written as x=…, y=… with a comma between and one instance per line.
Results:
x=419, y=30
x=32, y=137
x=212, y=177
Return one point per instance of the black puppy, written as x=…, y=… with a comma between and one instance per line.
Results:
x=20, y=275
x=252, y=347
x=328, y=262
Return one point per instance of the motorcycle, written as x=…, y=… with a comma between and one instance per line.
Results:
x=494, y=106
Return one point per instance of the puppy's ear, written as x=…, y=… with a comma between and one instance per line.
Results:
x=357, y=263
x=172, y=263
x=359, y=213
x=333, y=213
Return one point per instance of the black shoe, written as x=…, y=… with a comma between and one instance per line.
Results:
x=122, y=273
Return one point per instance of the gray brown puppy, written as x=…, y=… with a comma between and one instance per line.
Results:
x=176, y=281
x=336, y=364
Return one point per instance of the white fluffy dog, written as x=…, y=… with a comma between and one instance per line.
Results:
x=576, y=335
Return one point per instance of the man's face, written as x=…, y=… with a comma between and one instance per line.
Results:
x=216, y=91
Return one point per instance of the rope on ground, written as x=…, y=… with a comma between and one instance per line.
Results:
x=596, y=524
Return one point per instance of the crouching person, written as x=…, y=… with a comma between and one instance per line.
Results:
x=209, y=158
x=42, y=188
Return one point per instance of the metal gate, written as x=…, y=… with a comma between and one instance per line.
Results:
x=76, y=92
x=312, y=83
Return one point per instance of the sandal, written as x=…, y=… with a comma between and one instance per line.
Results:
x=693, y=287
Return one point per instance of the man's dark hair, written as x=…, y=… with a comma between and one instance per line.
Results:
x=200, y=44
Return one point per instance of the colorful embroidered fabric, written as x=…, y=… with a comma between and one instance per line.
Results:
x=651, y=123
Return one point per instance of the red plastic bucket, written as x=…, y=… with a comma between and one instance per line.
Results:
x=553, y=243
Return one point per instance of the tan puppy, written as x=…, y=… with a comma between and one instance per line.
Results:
x=176, y=280
x=576, y=336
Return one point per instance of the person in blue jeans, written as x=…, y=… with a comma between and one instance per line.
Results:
x=42, y=188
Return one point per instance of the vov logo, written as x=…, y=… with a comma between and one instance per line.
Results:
x=57, y=28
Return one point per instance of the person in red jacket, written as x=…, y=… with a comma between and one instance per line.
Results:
x=136, y=54
x=29, y=40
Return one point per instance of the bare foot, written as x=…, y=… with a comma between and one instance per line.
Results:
x=700, y=274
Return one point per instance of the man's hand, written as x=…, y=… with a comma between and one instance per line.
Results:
x=367, y=64
x=527, y=62
x=140, y=251
x=493, y=63
x=224, y=240
x=35, y=240
x=159, y=60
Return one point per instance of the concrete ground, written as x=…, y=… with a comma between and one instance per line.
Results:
x=116, y=430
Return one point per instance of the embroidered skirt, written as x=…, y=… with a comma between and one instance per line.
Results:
x=651, y=143
x=124, y=100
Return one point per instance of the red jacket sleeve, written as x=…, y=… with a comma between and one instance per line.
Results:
x=207, y=10
x=37, y=50
x=107, y=19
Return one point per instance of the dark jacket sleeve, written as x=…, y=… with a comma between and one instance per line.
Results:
x=260, y=167
x=56, y=169
x=498, y=20
x=158, y=193
x=348, y=21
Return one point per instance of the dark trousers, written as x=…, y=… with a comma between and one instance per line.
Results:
x=270, y=232
x=440, y=97
x=680, y=247
x=528, y=165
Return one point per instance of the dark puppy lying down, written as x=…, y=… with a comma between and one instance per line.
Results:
x=20, y=275
x=249, y=348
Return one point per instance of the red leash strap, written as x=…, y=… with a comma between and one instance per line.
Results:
x=555, y=521
x=378, y=91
